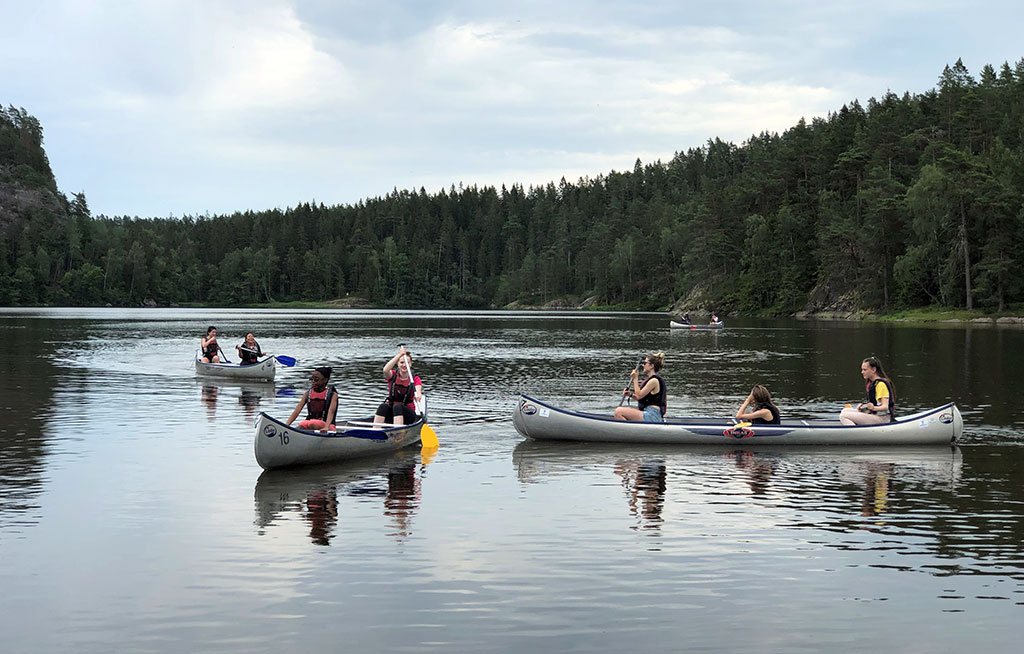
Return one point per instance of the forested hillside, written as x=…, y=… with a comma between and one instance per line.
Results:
x=901, y=201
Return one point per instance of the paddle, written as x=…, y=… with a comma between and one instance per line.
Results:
x=639, y=368
x=283, y=359
x=226, y=359
x=428, y=439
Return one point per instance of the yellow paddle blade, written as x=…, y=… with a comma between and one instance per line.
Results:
x=848, y=405
x=427, y=454
x=428, y=438
x=743, y=425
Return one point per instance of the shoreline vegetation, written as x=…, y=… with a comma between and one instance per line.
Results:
x=919, y=315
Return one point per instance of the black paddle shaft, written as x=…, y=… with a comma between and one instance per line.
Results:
x=639, y=368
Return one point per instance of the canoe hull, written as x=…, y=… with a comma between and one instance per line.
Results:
x=679, y=325
x=263, y=370
x=278, y=445
x=540, y=421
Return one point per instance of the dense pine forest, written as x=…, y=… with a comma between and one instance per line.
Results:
x=904, y=201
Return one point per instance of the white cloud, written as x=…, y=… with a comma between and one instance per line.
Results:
x=161, y=107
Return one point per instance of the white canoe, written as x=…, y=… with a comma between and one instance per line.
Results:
x=263, y=369
x=278, y=446
x=540, y=421
x=682, y=325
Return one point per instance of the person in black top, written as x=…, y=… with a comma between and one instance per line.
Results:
x=651, y=396
x=250, y=351
x=762, y=410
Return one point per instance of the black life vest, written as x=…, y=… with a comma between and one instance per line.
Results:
x=400, y=393
x=249, y=357
x=870, y=394
x=317, y=408
x=659, y=399
x=776, y=418
x=211, y=350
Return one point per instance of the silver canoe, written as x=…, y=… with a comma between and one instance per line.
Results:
x=541, y=421
x=682, y=325
x=278, y=446
x=263, y=369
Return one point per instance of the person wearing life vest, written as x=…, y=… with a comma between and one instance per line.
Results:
x=880, y=397
x=762, y=410
x=400, y=406
x=651, y=395
x=321, y=402
x=249, y=351
x=209, y=346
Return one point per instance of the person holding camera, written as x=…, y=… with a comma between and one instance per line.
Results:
x=651, y=395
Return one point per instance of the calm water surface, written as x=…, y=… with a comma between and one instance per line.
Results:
x=133, y=516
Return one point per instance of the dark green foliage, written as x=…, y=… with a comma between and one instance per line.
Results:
x=902, y=201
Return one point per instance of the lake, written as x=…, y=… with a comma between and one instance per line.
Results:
x=134, y=518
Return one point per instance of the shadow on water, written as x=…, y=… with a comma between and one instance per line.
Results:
x=317, y=495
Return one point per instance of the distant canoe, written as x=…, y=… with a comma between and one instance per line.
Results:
x=682, y=325
x=263, y=369
x=279, y=446
x=540, y=421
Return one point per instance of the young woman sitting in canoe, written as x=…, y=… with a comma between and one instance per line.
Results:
x=209, y=346
x=762, y=410
x=321, y=401
x=249, y=351
x=400, y=406
x=880, y=397
x=651, y=396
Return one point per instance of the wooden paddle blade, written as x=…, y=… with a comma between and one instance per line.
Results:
x=285, y=361
x=428, y=439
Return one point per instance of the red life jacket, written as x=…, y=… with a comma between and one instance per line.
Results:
x=401, y=393
x=318, y=403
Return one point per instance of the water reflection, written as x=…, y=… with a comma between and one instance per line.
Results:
x=757, y=469
x=317, y=494
x=644, y=483
x=29, y=395
x=249, y=395
x=843, y=486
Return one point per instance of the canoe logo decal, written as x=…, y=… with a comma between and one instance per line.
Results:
x=738, y=432
x=270, y=431
x=946, y=417
x=529, y=409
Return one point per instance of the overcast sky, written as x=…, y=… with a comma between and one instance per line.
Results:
x=159, y=108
